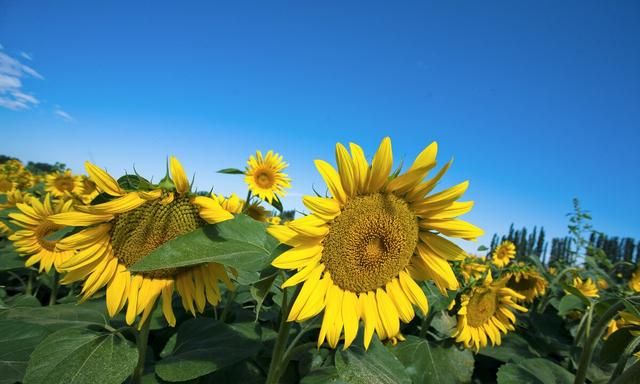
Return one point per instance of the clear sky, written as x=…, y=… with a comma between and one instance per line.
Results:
x=538, y=101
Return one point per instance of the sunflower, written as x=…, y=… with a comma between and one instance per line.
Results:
x=15, y=197
x=123, y=231
x=602, y=283
x=486, y=312
x=7, y=186
x=473, y=267
x=274, y=220
x=634, y=282
x=553, y=271
x=527, y=282
x=89, y=190
x=234, y=204
x=587, y=287
x=503, y=254
x=359, y=251
x=34, y=239
x=264, y=176
x=62, y=184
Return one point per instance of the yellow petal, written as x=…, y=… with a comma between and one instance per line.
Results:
x=84, y=238
x=122, y=204
x=387, y=313
x=350, y=317
x=297, y=257
x=178, y=176
x=442, y=247
x=400, y=300
x=332, y=179
x=380, y=166
x=453, y=228
x=360, y=166
x=326, y=208
x=305, y=292
x=103, y=180
x=346, y=171
x=79, y=219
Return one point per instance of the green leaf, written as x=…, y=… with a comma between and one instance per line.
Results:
x=512, y=348
x=426, y=363
x=322, y=376
x=10, y=259
x=482, y=248
x=375, y=366
x=78, y=355
x=17, y=341
x=58, y=316
x=204, y=346
x=535, y=371
x=231, y=171
x=260, y=290
x=241, y=243
x=570, y=303
x=134, y=182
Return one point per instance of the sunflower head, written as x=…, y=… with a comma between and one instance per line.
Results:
x=587, y=287
x=61, y=184
x=264, y=175
x=503, y=254
x=7, y=186
x=127, y=228
x=526, y=281
x=473, y=267
x=34, y=240
x=360, y=251
x=486, y=312
x=89, y=190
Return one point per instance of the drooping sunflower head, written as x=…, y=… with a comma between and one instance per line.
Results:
x=486, y=312
x=503, y=254
x=264, y=176
x=634, y=282
x=124, y=230
x=61, y=184
x=360, y=251
x=587, y=287
x=34, y=239
x=527, y=282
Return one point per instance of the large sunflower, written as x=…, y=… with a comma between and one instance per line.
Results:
x=527, y=282
x=34, y=239
x=61, y=184
x=503, y=254
x=360, y=250
x=124, y=230
x=486, y=312
x=264, y=176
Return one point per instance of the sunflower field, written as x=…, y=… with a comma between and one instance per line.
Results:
x=111, y=278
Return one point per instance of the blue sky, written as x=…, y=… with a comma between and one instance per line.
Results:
x=537, y=101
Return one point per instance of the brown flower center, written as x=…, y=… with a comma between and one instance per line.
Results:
x=371, y=241
x=482, y=306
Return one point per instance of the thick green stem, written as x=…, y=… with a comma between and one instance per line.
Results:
x=275, y=370
x=55, y=284
x=29, y=288
x=426, y=322
x=231, y=295
x=246, y=202
x=594, y=337
x=142, y=339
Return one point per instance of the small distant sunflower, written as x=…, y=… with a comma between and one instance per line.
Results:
x=486, y=312
x=123, y=231
x=265, y=177
x=602, y=284
x=634, y=282
x=587, y=287
x=527, y=282
x=257, y=212
x=553, y=271
x=60, y=184
x=473, y=267
x=234, y=204
x=33, y=240
x=359, y=251
x=7, y=186
x=89, y=190
x=275, y=220
x=16, y=197
x=503, y=254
